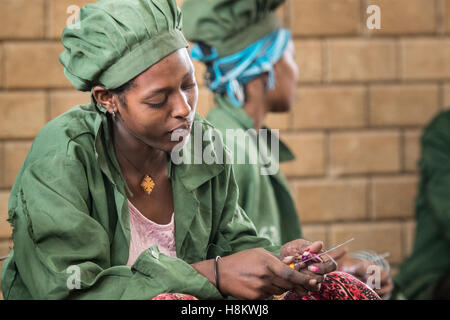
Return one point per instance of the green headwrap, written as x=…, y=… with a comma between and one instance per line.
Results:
x=229, y=25
x=119, y=39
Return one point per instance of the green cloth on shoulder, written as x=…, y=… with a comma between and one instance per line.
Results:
x=265, y=198
x=430, y=260
x=70, y=216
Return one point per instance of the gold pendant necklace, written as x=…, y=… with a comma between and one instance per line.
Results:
x=147, y=183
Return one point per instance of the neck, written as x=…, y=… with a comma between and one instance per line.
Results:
x=133, y=149
x=256, y=104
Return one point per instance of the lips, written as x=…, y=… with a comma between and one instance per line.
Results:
x=186, y=126
x=180, y=131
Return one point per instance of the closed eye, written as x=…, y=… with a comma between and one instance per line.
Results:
x=157, y=105
x=190, y=86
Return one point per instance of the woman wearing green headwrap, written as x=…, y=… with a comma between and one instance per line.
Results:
x=100, y=211
x=251, y=70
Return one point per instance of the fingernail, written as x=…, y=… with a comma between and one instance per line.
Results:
x=317, y=288
x=313, y=282
x=313, y=268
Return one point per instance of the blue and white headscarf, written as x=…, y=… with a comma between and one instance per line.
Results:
x=230, y=74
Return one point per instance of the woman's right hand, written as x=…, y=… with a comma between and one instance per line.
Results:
x=259, y=274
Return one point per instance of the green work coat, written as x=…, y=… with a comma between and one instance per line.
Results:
x=430, y=260
x=69, y=211
x=265, y=198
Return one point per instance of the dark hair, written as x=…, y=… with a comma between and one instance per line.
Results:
x=122, y=90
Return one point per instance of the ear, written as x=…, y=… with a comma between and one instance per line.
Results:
x=105, y=98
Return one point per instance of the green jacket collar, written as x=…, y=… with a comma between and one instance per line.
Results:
x=239, y=115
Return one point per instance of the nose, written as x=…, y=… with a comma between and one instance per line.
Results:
x=181, y=108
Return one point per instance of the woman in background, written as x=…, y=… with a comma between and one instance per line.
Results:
x=251, y=70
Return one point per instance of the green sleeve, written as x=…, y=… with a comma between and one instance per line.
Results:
x=237, y=232
x=54, y=236
x=435, y=169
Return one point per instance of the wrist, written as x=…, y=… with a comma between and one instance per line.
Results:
x=207, y=268
x=216, y=276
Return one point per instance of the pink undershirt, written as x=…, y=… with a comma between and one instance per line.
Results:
x=146, y=233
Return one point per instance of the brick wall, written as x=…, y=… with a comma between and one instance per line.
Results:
x=363, y=99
